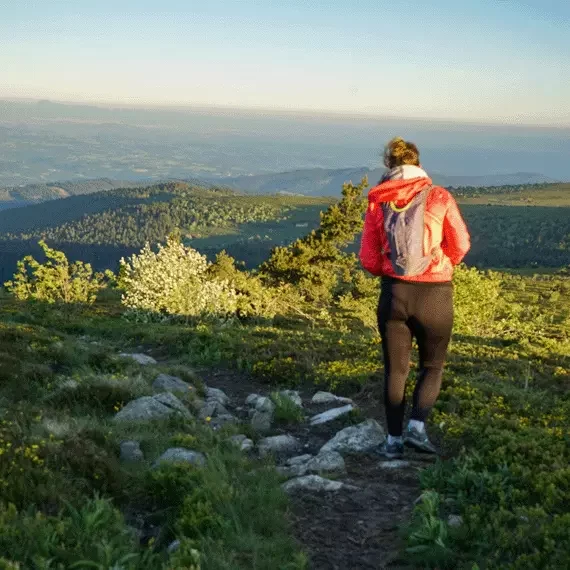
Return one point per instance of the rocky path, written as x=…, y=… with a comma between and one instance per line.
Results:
x=356, y=527
x=347, y=505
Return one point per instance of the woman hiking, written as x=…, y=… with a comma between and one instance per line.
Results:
x=413, y=237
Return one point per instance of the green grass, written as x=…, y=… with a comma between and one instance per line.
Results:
x=503, y=417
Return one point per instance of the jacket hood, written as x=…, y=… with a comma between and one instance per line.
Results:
x=400, y=185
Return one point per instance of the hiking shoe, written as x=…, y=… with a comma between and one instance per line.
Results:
x=418, y=440
x=391, y=450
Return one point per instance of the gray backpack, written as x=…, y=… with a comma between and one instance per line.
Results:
x=405, y=231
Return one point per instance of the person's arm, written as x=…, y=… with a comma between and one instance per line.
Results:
x=370, y=245
x=456, y=239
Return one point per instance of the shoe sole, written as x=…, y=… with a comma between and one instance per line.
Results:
x=419, y=446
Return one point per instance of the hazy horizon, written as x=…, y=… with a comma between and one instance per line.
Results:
x=490, y=62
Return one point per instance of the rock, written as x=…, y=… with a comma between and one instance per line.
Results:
x=242, y=441
x=216, y=395
x=312, y=483
x=356, y=439
x=181, y=455
x=131, y=451
x=223, y=419
x=331, y=415
x=264, y=404
x=329, y=398
x=173, y=547
x=396, y=464
x=165, y=383
x=294, y=396
x=212, y=409
x=251, y=400
x=152, y=408
x=142, y=359
x=455, y=521
x=261, y=421
x=299, y=460
x=328, y=462
x=278, y=445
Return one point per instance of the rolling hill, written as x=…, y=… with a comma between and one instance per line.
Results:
x=511, y=226
x=327, y=182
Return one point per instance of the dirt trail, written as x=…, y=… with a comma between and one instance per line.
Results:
x=348, y=530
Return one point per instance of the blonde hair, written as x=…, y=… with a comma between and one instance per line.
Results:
x=398, y=152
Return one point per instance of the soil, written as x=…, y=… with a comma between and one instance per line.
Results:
x=347, y=530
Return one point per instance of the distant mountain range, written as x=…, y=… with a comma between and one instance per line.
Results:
x=327, y=182
x=309, y=182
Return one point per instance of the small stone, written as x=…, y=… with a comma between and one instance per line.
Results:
x=329, y=398
x=142, y=359
x=294, y=396
x=312, y=483
x=331, y=415
x=166, y=383
x=182, y=455
x=131, y=451
x=212, y=409
x=214, y=394
x=300, y=459
x=261, y=421
x=251, y=400
x=242, y=441
x=173, y=547
x=222, y=420
x=150, y=408
x=396, y=464
x=356, y=439
x=455, y=521
x=326, y=462
x=264, y=404
x=278, y=445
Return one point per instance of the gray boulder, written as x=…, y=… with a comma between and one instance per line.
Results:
x=264, y=405
x=166, y=383
x=455, y=521
x=150, y=408
x=327, y=462
x=356, y=439
x=331, y=415
x=131, y=451
x=242, y=441
x=142, y=359
x=261, y=421
x=216, y=395
x=251, y=400
x=212, y=409
x=279, y=445
x=181, y=455
x=312, y=483
x=294, y=396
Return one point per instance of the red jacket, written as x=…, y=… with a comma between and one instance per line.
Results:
x=445, y=231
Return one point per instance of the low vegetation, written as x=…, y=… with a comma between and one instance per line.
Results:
x=306, y=314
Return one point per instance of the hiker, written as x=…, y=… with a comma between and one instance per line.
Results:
x=413, y=237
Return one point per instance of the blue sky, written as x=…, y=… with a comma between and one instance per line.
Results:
x=481, y=60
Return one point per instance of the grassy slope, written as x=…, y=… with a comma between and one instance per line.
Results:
x=504, y=402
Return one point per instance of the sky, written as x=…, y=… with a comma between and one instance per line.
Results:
x=500, y=61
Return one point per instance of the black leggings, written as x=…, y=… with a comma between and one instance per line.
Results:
x=423, y=311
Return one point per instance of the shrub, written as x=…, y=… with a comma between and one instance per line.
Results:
x=56, y=280
x=174, y=281
x=92, y=536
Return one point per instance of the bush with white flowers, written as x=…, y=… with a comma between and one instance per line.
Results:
x=174, y=281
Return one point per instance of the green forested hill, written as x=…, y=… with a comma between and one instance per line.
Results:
x=511, y=227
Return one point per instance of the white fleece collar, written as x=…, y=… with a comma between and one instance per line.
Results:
x=405, y=172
